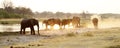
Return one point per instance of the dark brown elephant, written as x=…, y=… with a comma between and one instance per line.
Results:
x=29, y=23
x=95, y=22
x=76, y=21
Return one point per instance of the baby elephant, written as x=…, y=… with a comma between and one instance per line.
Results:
x=29, y=23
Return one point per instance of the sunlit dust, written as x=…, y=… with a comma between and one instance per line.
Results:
x=104, y=23
x=109, y=23
x=69, y=26
x=56, y=26
x=49, y=27
x=90, y=25
x=66, y=26
x=43, y=26
x=96, y=16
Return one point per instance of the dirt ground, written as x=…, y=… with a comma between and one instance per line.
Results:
x=68, y=38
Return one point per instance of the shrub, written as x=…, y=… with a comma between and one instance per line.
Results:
x=88, y=34
x=71, y=34
x=115, y=46
x=3, y=22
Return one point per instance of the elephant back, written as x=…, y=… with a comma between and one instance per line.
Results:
x=29, y=22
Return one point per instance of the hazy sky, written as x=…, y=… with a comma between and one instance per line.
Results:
x=73, y=6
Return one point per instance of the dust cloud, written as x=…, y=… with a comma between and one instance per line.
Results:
x=105, y=23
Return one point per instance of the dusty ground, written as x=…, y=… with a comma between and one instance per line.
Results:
x=68, y=38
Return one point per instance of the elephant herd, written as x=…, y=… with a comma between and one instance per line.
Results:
x=25, y=23
x=75, y=21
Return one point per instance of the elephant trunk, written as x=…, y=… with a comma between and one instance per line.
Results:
x=38, y=29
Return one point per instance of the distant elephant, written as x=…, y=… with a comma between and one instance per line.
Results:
x=76, y=21
x=29, y=23
x=95, y=22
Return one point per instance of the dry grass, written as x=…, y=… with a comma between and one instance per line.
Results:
x=101, y=38
x=114, y=46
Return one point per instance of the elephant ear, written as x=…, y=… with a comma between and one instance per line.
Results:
x=32, y=22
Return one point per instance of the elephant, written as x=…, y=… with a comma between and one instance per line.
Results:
x=25, y=23
x=49, y=22
x=76, y=21
x=52, y=22
x=66, y=22
x=95, y=22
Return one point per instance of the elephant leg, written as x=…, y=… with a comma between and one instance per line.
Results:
x=32, y=30
x=96, y=26
x=24, y=31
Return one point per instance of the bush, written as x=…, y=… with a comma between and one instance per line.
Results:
x=88, y=34
x=4, y=14
x=13, y=15
x=71, y=34
x=115, y=46
x=3, y=22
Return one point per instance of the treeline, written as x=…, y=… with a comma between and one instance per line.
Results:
x=9, y=11
x=110, y=15
x=48, y=14
x=18, y=12
x=82, y=15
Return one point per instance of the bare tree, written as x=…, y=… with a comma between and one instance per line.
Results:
x=7, y=5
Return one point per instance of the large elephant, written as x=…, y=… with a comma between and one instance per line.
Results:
x=29, y=23
x=95, y=22
x=52, y=22
x=66, y=22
